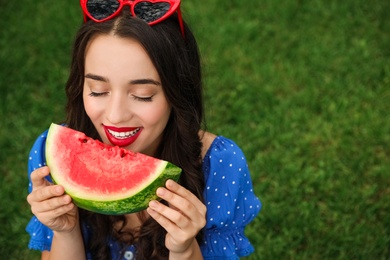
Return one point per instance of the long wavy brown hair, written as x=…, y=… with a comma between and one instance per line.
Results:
x=177, y=61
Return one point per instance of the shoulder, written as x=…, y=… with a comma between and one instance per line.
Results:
x=40, y=140
x=207, y=139
x=37, y=153
x=220, y=147
x=213, y=144
x=37, y=158
x=224, y=157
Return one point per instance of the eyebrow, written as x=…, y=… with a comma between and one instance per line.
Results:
x=132, y=82
x=144, y=81
x=96, y=77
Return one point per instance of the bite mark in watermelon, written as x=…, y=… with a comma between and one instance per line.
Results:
x=102, y=178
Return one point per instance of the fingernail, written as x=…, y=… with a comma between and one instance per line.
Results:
x=153, y=204
x=58, y=190
x=67, y=199
x=160, y=191
x=170, y=183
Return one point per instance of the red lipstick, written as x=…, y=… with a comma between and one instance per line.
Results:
x=122, y=136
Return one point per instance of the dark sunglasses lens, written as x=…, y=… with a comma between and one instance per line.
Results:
x=100, y=9
x=150, y=12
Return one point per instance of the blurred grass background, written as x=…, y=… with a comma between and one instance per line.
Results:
x=302, y=86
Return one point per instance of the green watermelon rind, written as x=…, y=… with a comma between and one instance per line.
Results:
x=135, y=203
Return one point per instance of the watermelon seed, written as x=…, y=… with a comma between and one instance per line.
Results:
x=83, y=140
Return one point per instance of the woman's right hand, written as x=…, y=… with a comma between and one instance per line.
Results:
x=50, y=204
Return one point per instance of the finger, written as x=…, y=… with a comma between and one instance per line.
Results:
x=59, y=211
x=51, y=209
x=183, y=192
x=168, y=217
x=177, y=237
x=66, y=209
x=175, y=201
x=155, y=211
x=38, y=177
x=45, y=193
x=180, y=198
x=50, y=192
x=54, y=203
x=53, y=218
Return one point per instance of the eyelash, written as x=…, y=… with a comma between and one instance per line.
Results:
x=142, y=99
x=95, y=94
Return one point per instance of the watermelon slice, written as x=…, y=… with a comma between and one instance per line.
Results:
x=102, y=178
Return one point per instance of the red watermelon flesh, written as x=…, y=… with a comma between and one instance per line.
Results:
x=102, y=178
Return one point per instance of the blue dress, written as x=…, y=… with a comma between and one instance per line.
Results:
x=229, y=197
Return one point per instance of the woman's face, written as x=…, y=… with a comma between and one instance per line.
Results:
x=123, y=95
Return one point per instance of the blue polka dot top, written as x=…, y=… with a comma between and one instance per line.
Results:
x=229, y=197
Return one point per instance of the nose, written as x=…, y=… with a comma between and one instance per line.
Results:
x=118, y=109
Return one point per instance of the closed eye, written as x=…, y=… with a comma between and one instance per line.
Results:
x=143, y=99
x=97, y=94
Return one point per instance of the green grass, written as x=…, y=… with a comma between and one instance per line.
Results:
x=302, y=86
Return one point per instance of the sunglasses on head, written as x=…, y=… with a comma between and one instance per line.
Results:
x=150, y=11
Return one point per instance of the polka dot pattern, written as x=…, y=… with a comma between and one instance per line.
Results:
x=231, y=203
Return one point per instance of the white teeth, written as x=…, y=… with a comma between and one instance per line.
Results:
x=123, y=135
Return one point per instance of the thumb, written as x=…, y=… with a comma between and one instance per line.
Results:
x=38, y=177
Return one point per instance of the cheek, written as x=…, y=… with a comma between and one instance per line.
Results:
x=159, y=115
x=90, y=107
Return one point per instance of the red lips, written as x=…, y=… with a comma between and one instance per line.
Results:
x=122, y=136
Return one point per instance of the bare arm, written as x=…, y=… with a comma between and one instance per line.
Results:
x=66, y=245
x=192, y=253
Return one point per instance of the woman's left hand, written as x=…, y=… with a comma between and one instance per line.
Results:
x=183, y=219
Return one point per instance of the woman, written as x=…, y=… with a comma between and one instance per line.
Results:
x=135, y=82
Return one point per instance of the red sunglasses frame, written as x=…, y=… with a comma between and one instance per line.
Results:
x=174, y=6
